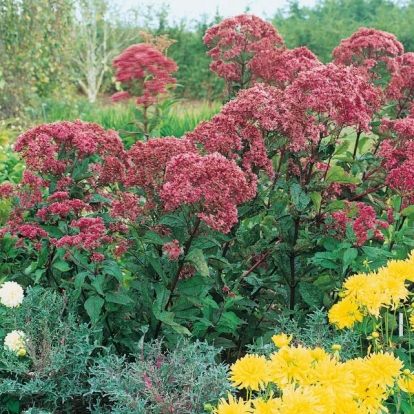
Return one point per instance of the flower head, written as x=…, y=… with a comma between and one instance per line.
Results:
x=282, y=340
x=251, y=371
x=233, y=406
x=345, y=313
x=15, y=341
x=145, y=71
x=173, y=249
x=11, y=294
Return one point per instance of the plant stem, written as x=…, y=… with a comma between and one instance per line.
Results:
x=178, y=272
x=292, y=282
x=356, y=144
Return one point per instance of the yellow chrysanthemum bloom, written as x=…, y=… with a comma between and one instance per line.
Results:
x=282, y=340
x=336, y=378
x=382, y=369
x=401, y=269
x=373, y=298
x=392, y=286
x=406, y=382
x=291, y=365
x=271, y=406
x=345, y=313
x=233, y=406
x=251, y=371
x=354, y=285
x=301, y=400
x=318, y=354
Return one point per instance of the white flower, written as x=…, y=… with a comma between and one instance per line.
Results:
x=15, y=340
x=11, y=294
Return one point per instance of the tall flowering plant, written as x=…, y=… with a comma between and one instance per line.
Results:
x=145, y=74
x=302, y=179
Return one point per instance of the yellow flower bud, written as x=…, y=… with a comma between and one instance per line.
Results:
x=336, y=347
x=21, y=352
x=406, y=372
x=281, y=340
x=375, y=334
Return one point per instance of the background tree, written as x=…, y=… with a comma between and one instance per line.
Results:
x=34, y=50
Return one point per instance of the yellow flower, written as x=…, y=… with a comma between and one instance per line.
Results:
x=251, y=371
x=345, y=313
x=300, y=400
x=318, y=354
x=406, y=381
x=21, y=352
x=291, y=365
x=401, y=269
x=382, y=368
x=336, y=378
x=233, y=406
x=281, y=340
x=271, y=406
x=354, y=285
x=14, y=341
x=11, y=294
x=336, y=347
x=392, y=285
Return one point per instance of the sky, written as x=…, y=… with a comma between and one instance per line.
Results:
x=193, y=9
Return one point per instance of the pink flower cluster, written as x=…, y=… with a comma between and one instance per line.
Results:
x=212, y=185
x=367, y=47
x=363, y=220
x=279, y=67
x=91, y=234
x=401, y=85
x=145, y=72
x=148, y=162
x=52, y=148
x=173, y=249
x=236, y=42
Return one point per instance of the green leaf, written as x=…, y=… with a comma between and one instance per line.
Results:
x=311, y=294
x=349, y=256
x=299, y=198
x=316, y=200
x=218, y=262
x=168, y=319
x=224, y=343
x=30, y=269
x=62, y=266
x=98, y=284
x=118, y=297
x=337, y=174
x=173, y=221
x=228, y=323
x=153, y=238
x=196, y=258
x=408, y=211
x=93, y=306
x=341, y=149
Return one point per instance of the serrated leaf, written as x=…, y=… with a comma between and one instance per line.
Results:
x=173, y=220
x=196, y=258
x=228, y=322
x=299, y=198
x=311, y=294
x=61, y=265
x=93, y=306
x=408, y=211
x=153, y=238
x=316, y=200
x=337, y=174
x=118, y=297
